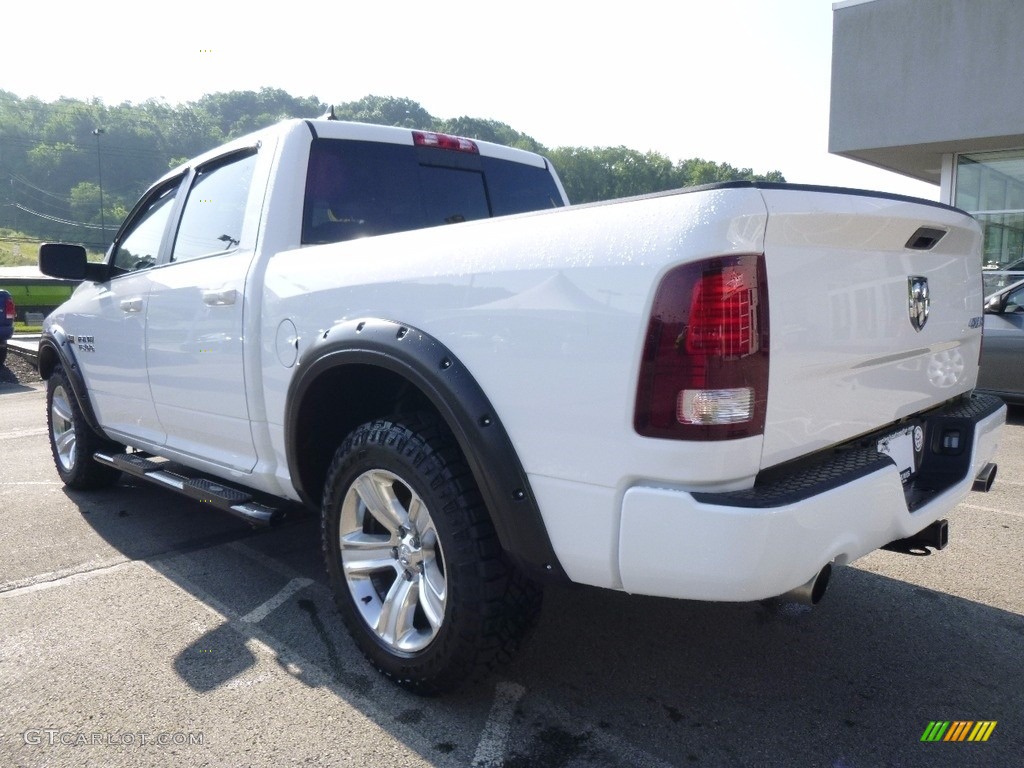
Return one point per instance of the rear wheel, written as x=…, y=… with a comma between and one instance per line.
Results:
x=416, y=567
x=72, y=440
x=3, y=353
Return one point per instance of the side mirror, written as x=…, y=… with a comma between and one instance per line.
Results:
x=993, y=305
x=69, y=262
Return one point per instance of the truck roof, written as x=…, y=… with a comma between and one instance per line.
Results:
x=341, y=129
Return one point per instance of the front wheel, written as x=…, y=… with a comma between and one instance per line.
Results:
x=416, y=567
x=72, y=440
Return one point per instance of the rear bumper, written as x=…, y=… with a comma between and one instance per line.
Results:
x=753, y=544
x=1014, y=398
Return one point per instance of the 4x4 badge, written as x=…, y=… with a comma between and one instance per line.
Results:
x=918, y=301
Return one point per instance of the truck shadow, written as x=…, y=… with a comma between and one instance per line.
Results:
x=11, y=385
x=853, y=681
x=609, y=679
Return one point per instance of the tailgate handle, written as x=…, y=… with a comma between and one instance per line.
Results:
x=925, y=238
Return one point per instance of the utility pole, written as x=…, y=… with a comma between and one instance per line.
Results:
x=97, y=132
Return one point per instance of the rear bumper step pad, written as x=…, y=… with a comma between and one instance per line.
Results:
x=941, y=468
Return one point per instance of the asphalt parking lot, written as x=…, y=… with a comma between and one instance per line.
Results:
x=138, y=628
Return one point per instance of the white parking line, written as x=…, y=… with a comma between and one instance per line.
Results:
x=261, y=612
x=375, y=699
x=490, y=753
x=991, y=510
x=14, y=434
x=266, y=561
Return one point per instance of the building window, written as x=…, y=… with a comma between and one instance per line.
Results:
x=990, y=185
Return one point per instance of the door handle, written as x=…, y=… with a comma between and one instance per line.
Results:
x=220, y=298
x=131, y=305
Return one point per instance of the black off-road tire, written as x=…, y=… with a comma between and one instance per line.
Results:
x=417, y=571
x=72, y=440
x=3, y=353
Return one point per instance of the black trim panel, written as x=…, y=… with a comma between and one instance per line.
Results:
x=940, y=468
x=780, y=186
x=855, y=193
x=54, y=341
x=1013, y=398
x=803, y=484
x=439, y=375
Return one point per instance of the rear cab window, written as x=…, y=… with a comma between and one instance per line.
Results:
x=360, y=188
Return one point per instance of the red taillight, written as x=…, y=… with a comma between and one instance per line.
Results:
x=9, y=309
x=704, y=374
x=444, y=141
x=721, y=315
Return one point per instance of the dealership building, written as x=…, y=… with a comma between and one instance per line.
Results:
x=934, y=90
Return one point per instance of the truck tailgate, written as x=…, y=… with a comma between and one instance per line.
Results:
x=853, y=345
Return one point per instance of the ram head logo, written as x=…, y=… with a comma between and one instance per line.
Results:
x=918, y=301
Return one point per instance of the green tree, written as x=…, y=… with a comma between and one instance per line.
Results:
x=239, y=112
x=699, y=171
x=51, y=159
x=386, y=110
x=85, y=201
x=605, y=173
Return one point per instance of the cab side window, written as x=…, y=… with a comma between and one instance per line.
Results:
x=139, y=247
x=215, y=208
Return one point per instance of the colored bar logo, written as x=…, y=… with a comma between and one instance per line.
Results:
x=958, y=730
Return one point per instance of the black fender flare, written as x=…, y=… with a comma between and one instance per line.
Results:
x=440, y=376
x=57, y=348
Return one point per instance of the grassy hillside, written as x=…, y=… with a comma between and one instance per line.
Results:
x=18, y=249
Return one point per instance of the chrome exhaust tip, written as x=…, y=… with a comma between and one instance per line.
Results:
x=935, y=536
x=811, y=592
x=987, y=476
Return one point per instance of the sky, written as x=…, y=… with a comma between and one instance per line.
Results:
x=744, y=82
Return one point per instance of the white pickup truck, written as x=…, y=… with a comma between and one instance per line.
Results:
x=711, y=394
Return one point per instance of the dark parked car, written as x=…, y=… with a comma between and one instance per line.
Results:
x=996, y=276
x=1002, y=351
x=6, y=323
